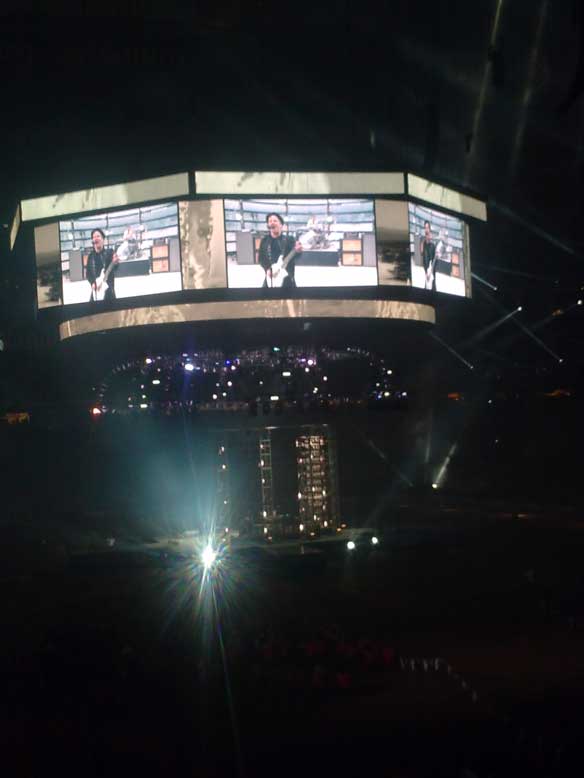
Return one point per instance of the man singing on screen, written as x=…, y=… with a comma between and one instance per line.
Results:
x=428, y=251
x=101, y=268
x=273, y=246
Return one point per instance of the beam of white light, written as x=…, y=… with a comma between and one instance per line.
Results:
x=537, y=340
x=520, y=273
x=483, y=91
x=444, y=466
x=525, y=329
x=486, y=330
x=528, y=91
x=541, y=233
x=452, y=351
x=482, y=280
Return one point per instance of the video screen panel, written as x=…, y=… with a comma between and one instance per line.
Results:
x=48, y=265
x=393, y=243
x=290, y=243
x=120, y=254
x=439, y=251
x=202, y=238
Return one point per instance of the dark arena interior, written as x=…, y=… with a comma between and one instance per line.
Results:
x=291, y=350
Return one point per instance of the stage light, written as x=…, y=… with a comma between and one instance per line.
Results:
x=190, y=367
x=325, y=378
x=434, y=486
x=208, y=557
x=374, y=541
x=274, y=397
x=519, y=307
x=390, y=372
x=229, y=383
x=214, y=396
x=143, y=405
x=307, y=370
x=286, y=374
x=156, y=382
x=301, y=527
x=351, y=545
x=579, y=302
x=96, y=411
x=310, y=362
x=148, y=361
x=276, y=348
x=265, y=530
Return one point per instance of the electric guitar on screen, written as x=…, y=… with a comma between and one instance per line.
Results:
x=278, y=273
x=430, y=274
x=101, y=284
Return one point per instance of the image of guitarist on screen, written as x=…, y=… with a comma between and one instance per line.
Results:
x=277, y=254
x=101, y=268
x=428, y=252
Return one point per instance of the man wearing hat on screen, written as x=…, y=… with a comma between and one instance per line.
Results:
x=277, y=254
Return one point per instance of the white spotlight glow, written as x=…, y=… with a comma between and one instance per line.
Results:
x=519, y=307
x=351, y=545
x=208, y=557
x=434, y=486
x=190, y=367
x=374, y=541
x=579, y=302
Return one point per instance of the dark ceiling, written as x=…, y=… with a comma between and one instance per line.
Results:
x=487, y=95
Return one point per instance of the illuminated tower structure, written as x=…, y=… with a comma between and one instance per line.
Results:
x=266, y=475
x=317, y=473
x=238, y=489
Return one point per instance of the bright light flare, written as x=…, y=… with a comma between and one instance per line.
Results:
x=208, y=557
x=351, y=545
x=374, y=541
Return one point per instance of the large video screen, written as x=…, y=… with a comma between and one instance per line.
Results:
x=393, y=243
x=439, y=251
x=120, y=254
x=288, y=243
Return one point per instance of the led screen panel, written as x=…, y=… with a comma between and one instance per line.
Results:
x=120, y=254
x=246, y=310
x=287, y=243
x=106, y=197
x=439, y=251
x=393, y=243
x=443, y=197
x=202, y=237
x=285, y=184
x=48, y=262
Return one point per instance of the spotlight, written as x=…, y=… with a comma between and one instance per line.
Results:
x=579, y=302
x=190, y=367
x=374, y=541
x=351, y=546
x=434, y=486
x=96, y=411
x=519, y=307
x=208, y=557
